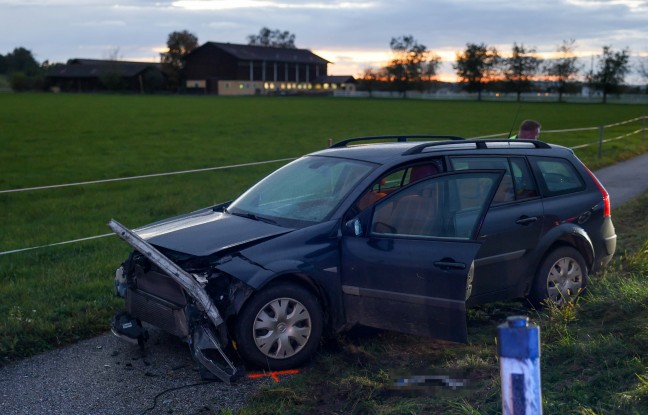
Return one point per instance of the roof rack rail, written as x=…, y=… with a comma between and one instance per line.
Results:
x=399, y=138
x=479, y=143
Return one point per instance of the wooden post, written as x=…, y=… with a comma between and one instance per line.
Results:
x=519, y=355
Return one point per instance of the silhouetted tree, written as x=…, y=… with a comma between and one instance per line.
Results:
x=613, y=67
x=565, y=67
x=179, y=45
x=369, y=80
x=3, y=64
x=476, y=64
x=521, y=68
x=273, y=38
x=643, y=72
x=430, y=68
x=111, y=76
x=411, y=63
x=23, y=72
x=21, y=60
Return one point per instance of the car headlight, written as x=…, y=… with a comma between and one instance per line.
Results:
x=120, y=282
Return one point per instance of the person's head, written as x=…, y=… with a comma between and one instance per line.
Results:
x=529, y=130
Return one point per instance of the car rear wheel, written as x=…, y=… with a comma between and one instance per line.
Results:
x=280, y=327
x=561, y=278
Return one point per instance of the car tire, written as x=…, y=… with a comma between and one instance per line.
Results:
x=280, y=327
x=561, y=277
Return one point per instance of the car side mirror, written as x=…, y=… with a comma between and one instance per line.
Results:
x=354, y=227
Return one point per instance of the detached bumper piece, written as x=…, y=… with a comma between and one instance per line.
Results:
x=129, y=328
x=205, y=346
x=207, y=352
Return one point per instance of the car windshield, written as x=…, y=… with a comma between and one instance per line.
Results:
x=306, y=190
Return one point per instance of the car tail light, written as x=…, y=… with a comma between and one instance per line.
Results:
x=607, y=209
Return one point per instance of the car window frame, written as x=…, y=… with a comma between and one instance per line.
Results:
x=366, y=217
x=541, y=178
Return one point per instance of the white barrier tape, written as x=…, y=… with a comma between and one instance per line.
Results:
x=270, y=161
x=237, y=165
x=570, y=130
x=623, y=136
x=607, y=140
x=55, y=244
x=54, y=186
x=625, y=122
x=595, y=128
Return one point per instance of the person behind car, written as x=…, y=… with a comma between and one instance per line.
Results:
x=529, y=130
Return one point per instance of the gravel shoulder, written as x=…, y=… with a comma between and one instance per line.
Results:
x=106, y=375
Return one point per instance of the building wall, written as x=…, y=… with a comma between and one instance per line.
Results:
x=278, y=71
x=210, y=62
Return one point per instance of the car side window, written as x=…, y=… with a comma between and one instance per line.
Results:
x=397, y=179
x=517, y=183
x=523, y=183
x=557, y=176
x=442, y=207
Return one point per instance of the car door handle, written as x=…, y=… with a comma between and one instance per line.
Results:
x=449, y=265
x=525, y=220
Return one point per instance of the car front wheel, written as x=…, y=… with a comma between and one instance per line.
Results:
x=280, y=327
x=561, y=278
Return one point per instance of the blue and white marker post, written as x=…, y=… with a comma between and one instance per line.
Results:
x=519, y=354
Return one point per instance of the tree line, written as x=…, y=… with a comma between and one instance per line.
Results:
x=413, y=66
x=480, y=67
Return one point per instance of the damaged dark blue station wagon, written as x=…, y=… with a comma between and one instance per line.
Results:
x=399, y=233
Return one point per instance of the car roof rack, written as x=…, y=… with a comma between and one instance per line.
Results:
x=479, y=143
x=399, y=138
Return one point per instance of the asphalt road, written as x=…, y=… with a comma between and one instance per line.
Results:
x=625, y=180
x=106, y=375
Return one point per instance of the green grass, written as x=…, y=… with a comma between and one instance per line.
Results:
x=593, y=357
x=48, y=139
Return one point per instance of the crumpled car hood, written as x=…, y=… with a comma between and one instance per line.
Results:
x=207, y=232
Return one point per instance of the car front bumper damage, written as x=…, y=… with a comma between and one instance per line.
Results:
x=206, y=345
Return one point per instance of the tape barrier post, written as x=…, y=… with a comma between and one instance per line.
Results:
x=519, y=355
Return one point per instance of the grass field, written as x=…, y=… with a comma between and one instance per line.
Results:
x=57, y=295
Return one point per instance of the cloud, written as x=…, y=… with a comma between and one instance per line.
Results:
x=97, y=23
x=353, y=34
x=264, y=4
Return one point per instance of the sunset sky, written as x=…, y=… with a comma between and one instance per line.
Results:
x=352, y=34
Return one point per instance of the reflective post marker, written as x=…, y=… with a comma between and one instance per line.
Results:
x=519, y=354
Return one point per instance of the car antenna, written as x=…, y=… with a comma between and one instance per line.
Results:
x=514, y=119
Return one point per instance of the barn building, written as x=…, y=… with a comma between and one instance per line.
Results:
x=92, y=75
x=232, y=69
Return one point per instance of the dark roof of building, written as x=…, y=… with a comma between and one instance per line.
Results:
x=267, y=53
x=92, y=68
x=336, y=79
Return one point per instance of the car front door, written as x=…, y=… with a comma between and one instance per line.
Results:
x=407, y=262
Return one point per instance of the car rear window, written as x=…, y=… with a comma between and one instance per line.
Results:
x=557, y=176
